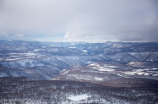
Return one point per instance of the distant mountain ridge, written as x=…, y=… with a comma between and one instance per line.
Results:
x=45, y=60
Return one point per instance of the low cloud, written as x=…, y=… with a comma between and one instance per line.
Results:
x=80, y=20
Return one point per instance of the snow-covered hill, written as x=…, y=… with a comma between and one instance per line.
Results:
x=44, y=60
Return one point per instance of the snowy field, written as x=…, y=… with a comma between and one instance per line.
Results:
x=78, y=97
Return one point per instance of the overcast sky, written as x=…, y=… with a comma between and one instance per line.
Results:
x=79, y=20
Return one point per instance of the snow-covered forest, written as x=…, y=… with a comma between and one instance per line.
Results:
x=20, y=90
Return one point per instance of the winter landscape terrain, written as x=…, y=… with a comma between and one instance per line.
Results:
x=77, y=72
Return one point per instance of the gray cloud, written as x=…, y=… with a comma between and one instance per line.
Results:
x=80, y=20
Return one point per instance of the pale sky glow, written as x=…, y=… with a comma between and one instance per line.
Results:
x=79, y=20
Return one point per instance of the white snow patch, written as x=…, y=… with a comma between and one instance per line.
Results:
x=93, y=64
x=106, y=69
x=146, y=74
x=98, y=79
x=78, y=97
x=130, y=73
x=12, y=59
x=140, y=73
x=84, y=50
x=65, y=72
x=110, y=66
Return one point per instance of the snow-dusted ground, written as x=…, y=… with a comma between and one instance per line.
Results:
x=144, y=72
x=100, y=72
x=78, y=97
